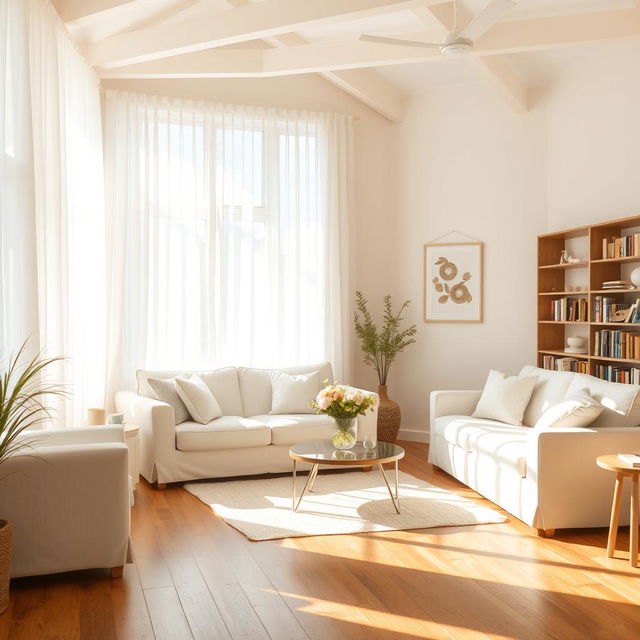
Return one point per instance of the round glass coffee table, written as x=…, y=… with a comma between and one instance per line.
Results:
x=323, y=452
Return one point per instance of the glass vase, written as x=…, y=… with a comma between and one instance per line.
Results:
x=345, y=435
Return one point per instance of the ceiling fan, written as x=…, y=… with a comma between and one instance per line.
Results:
x=457, y=41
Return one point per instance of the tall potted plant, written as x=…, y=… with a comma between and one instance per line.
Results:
x=23, y=405
x=380, y=348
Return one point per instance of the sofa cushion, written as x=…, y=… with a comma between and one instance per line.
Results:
x=255, y=385
x=197, y=397
x=550, y=389
x=293, y=393
x=505, y=398
x=506, y=443
x=577, y=409
x=222, y=382
x=164, y=389
x=228, y=432
x=291, y=429
x=621, y=402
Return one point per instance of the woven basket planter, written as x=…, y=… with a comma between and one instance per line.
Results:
x=388, y=417
x=6, y=540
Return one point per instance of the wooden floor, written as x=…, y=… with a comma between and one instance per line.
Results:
x=196, y=577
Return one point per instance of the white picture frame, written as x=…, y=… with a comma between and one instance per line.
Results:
x=453, y=282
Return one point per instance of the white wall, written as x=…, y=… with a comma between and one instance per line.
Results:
x=593, y=137
x=465, y=162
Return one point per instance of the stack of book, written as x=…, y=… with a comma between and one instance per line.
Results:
x=617, y=284
x=564, y=364
x=617, y=344
x=626, y=375
x=608, y=310
x=621, y=247
x=569, y=310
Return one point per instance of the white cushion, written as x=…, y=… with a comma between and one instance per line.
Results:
x=291, y=429
x=505, y=398
x=621, y=402
x=197, y=397
x=228, y=432
x=551, y=387
x=255, y=385
x=293, y=393
x=578, y=409
x=222, y=382
x=165, y=391
x=505, y=443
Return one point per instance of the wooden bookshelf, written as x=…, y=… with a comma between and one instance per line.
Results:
x=557, y=281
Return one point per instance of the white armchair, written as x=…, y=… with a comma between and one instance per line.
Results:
x=67, y=499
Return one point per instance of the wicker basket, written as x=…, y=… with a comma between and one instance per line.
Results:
x=388, y=417
x=6, y=539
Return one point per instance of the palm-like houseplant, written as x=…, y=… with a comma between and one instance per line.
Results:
x=24, y=405
x=380, y=348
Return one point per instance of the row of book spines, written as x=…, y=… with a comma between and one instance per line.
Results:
x=554, y=363
x=617, y=344
x=627, y=375
x=569, y=310
x=621, y=247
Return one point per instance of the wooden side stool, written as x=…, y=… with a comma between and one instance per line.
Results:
x=611, y=462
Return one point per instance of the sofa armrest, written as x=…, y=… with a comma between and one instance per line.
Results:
x=447, y=403
x=157, y=435
x=68, y=506
x=572, y=490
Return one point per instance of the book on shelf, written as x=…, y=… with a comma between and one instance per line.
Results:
x=617, y=284
x=556, y=363
x=611, y=373
x=569, y=310
x=608, y=310
x=617, y=344
x=621, y=247
x=632, y=459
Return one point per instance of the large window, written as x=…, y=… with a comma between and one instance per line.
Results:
x=228, y=232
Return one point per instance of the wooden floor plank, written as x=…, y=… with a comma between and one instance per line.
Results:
x=196, y=577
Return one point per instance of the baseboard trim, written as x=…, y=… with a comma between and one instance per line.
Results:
x=413, y=435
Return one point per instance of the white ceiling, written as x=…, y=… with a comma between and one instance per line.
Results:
x=516, y=71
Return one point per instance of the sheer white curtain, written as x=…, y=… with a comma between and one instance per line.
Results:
x=227, y=234
x=18, y=308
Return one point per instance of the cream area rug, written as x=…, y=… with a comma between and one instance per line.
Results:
x=353, y=502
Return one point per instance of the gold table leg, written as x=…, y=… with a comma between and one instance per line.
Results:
x=307, y=485
x=394, y=498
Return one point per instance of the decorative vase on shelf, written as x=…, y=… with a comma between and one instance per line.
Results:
x=345, y=435
x=635, y=277
x=388, y=416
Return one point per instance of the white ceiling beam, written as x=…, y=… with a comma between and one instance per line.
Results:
x=499, y=73
x=511, y=37
x=215, y=28
x=363, y=84
x=79, y=13
x=496, y=70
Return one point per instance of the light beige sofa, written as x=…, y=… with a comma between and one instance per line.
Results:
x=546, y=478
x=246, y=440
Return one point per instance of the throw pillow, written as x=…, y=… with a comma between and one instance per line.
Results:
x=198, y=398
x=165, y=391
x=293, y=393
x=578, y=409
x=505, y=398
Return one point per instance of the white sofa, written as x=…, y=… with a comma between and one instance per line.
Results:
x=246, y=440
x=67, y=499
x=546, y=478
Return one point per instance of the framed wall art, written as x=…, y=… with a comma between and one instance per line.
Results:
x=453, y=282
